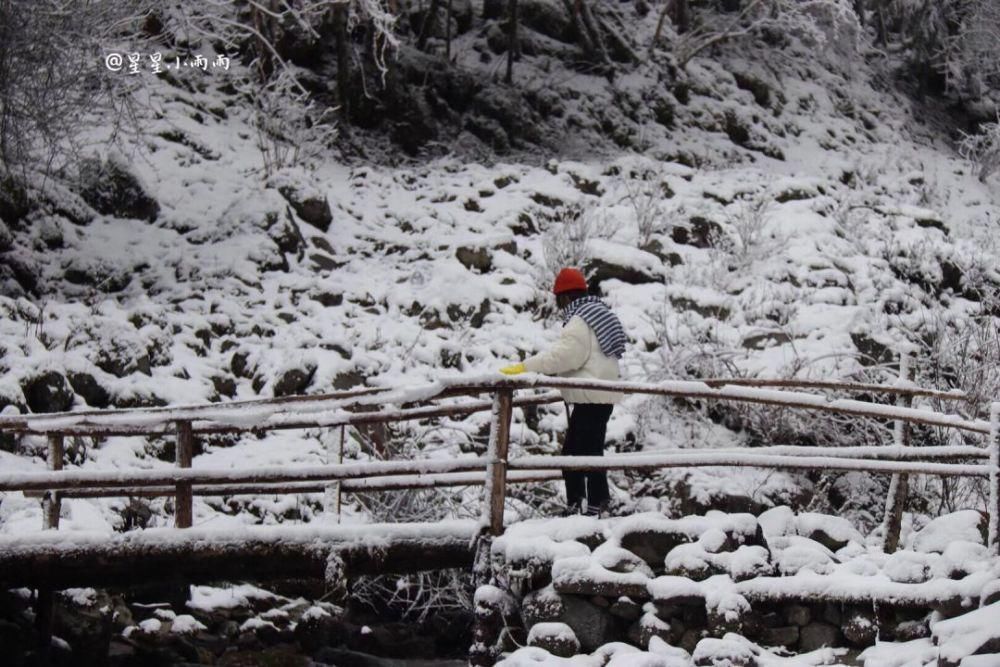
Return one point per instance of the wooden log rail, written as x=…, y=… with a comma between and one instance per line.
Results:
x=353, y=408
x=260, y=553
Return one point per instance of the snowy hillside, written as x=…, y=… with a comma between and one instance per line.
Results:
x=758, y=189
x=782, y=220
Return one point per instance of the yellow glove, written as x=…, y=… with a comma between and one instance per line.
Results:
x=513, y=369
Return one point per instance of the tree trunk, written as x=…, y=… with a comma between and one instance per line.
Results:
x=447, y=33
x=581, y=31
x=343, y=60
x=659, y=25
x=682, y=16
x=593, y=32
x=883, y=38
x=512, y=38
x=428, y=24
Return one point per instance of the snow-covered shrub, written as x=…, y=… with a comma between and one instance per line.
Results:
x=748, y=219
x=645, y=197
x=113, y=346
x=973, y=60
x=292, y=129
x=566, y=234
x=828, y=28
x=49, y=50
x=982, y=150
x=412, y=596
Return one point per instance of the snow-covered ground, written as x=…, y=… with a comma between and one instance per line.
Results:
x=848, y=219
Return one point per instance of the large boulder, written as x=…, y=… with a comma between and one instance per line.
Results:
x=14, y=201
x=817, y=635
x=615, y=261
x=48, y=392
x=294, y=380
x=308, y=201
x=89, y=389
x=725, y=652
x=101, y=273
x=556, y=638
x=699, y=232
x=547, y=17
x=111, y=189
x=123, y=355
x=594, y=626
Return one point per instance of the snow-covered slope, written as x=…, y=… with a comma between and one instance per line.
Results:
x=780, y=218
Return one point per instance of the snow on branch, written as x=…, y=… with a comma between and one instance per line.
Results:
x=982, y=150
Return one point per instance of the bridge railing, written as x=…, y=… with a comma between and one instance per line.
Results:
x=496, y=470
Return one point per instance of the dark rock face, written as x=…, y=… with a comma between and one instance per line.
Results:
x=6, y=238
x=601, y=270
x=652, y=546
x=224, y=386
x=294, y=381
x=348, y=380
x=655, y=247
x=306, y=201
x=860, y=627
x=475, y=258
x=14, y=202
x=287, y=236
x=711, y=652
x=817, y=635
x=112, y=190
x=871, y=351
x=781, y=636
x=717, y=312
x=238, y=365
x=122, y=360
x=546, y=18
x=593, y=626
x=89, y=389
x=48, y=392
x=699, y=232
x=765, y=340
x=556, y=638
x=98, y=275
x=315, y=210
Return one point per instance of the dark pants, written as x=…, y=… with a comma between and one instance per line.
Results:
x=588, y=424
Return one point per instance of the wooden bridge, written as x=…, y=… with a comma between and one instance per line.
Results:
x=52, y=560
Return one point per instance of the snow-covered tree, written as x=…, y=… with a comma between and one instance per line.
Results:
x=826, y=26
x=270, y=34
x=53, y=77
x=983, y=149
x=952, y=44
x=974, y=50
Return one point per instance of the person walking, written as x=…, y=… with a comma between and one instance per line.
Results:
x=590, y=346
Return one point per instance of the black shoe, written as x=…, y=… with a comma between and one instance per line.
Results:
x=600, y=510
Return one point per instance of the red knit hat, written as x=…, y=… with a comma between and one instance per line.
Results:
x=569, y=280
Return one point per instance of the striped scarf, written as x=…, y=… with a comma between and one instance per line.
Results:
x=605, y=324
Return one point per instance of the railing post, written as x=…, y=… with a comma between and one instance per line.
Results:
x=183, y=501
x=333, y=493
x=892, y=522
x=496, y=466
x=51, y=507
x=994, y=509
x=52, y=504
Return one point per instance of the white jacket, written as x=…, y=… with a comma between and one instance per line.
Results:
x=577, y=354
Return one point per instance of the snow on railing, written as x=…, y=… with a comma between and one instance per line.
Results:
x=337, y=409
x=382, y=405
